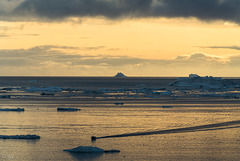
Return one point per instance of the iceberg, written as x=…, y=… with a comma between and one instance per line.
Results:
x=12, y=109
x=208, y=82
x=120, y=75
x=30, y=137
x=67, y=109
x=90, y=149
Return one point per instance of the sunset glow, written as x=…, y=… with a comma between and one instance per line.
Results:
x=55, y=42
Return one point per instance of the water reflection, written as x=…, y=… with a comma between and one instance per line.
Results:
x=208, y=127
x=86, y=156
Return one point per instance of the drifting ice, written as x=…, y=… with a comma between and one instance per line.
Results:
x=68, y=109
x=31, y=137
x=12, y=109
x=89, y=149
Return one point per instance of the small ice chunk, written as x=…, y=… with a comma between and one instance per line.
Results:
x=112, y=151
x=118, y=103
x=167, y=106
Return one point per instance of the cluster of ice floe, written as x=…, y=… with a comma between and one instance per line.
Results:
x=194, y=85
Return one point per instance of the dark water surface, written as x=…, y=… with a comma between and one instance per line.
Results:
x=208, y=130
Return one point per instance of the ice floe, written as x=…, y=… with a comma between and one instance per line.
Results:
x=5, y=96
x=31, y=137
x=68, y=109
x=166, y=106
x=47, y=94
x=118, y=103
x=90, y=149
x=12, y=109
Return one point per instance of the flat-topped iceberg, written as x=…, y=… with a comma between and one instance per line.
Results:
x=194, y=81
x=67, y=109
x=12, y=109
x=30, y=137
x=90, y=149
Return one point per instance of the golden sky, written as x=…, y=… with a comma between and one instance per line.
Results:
x=102, y=44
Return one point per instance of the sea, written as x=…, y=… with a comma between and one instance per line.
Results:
x=143, y=128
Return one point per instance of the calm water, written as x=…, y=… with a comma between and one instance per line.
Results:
x=65, y=130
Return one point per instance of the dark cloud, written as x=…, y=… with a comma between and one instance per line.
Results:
x=227, y=10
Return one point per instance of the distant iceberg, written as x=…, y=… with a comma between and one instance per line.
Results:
x=90, y=149
x=12, y=109
x=31, y=137
x=120, y=75
x=194, y=81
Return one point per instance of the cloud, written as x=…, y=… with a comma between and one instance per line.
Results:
x=223, y=47
x=67, y=60
x=227, y=10
x=94, y=48
x=3, y=35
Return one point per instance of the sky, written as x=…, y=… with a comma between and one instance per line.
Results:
x=136, y=37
